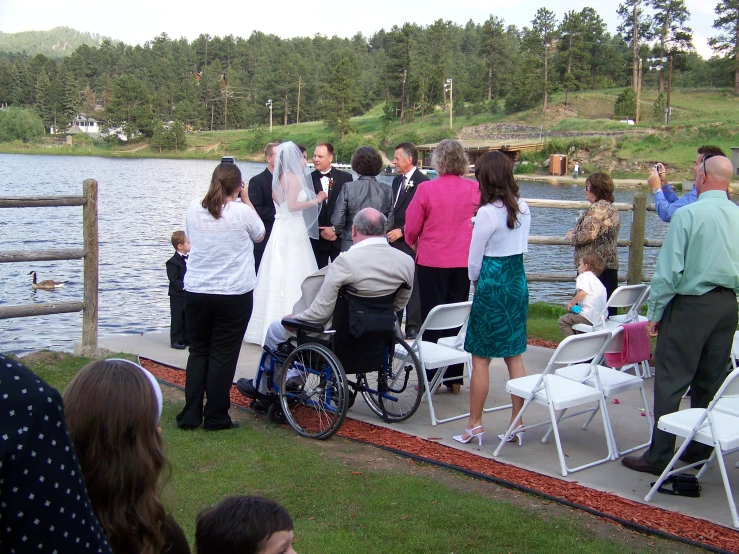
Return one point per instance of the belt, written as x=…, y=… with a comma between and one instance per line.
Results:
x=723, y=290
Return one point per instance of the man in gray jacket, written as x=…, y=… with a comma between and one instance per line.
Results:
x=371, y=266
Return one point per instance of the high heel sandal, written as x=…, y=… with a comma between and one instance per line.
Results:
x=516, y=434
x=470, y=435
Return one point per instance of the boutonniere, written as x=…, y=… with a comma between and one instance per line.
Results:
x=409, y=186
x=330, y=184
x=472, y=221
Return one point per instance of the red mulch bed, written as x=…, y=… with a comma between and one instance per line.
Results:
x=674, y=523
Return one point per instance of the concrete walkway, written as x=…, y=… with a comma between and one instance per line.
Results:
x=580, y=446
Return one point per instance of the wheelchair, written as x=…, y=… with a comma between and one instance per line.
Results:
x=306, y=380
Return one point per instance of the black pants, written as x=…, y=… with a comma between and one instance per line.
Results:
x=217, y=326
x=178, y=321
x=413, y=314
x=324, y=250
x=695, y=338
x=609, y=278
x=442, y=285
x=258, y=258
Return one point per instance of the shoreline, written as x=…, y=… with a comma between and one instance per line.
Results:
x=139, y=153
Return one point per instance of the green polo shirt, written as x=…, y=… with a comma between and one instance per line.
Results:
x=700, y=252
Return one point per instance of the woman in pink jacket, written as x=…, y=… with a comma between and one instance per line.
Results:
x=438, y=224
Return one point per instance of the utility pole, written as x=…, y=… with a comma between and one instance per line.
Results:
x=449, y=86
x=669, y=88
x=225, y=110
x=211, y=118
x=402, y=97
x=269, y=105
x=546, y=74
x=297, y=116
x=639, y=79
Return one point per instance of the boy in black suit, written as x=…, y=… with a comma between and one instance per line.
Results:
x=404, y=188
x=176, y=269
x=328, y=179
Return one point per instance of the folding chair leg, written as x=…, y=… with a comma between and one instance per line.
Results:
x=668, y=470
x=592, y=415
x=429, y=394
x=545, y=438
x=708, y=463
x=727, y=486
x=560, y=453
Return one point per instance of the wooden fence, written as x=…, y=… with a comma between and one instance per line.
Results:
x=89, y=253
x=636, y=243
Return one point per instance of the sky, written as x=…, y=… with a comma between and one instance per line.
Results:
x=136, y=21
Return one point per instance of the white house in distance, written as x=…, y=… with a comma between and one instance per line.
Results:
x=84, y=124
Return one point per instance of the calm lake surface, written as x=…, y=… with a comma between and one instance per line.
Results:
x=141, y=202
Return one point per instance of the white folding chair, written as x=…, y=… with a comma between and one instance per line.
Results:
x=440, y=356
x=734, y=352
x=632, y=315
x=558, y=393
x=711, y=426
x=623, y=297
x=612, y=381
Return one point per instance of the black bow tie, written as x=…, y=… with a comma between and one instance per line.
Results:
x=185, y=257
x=326, y=174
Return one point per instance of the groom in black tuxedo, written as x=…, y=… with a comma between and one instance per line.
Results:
x=260, y=195
x=330, y=180
x=404, y=188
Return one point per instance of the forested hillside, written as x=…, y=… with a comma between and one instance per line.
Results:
x=55, y=43
x=228, y=82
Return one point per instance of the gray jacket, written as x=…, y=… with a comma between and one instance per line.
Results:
x=365, y=192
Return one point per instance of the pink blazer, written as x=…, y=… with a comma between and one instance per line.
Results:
x=439, y=221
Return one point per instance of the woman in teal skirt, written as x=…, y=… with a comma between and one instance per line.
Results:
x=497, y=324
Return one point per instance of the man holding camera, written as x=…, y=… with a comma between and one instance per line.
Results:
x=665, y=199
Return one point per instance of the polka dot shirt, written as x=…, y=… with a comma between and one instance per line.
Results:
x=43, y=502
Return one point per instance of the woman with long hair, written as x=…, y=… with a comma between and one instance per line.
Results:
x=219, y=282
x=288, y=258
x=112, y=408
x=497, y=324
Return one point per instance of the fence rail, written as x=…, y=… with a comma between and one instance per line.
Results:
x=89, y=253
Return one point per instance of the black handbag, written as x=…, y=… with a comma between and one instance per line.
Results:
x=683, y=484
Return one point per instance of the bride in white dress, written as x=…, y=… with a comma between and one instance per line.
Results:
x=288, y=258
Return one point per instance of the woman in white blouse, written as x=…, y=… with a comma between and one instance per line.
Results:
x=219, y=282
x=497, y=324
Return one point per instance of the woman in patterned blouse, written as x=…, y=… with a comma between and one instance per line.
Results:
x=597, y=230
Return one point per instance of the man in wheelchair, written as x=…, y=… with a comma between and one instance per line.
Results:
x=371, y=268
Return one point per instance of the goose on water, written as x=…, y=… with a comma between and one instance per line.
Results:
x=46, y=284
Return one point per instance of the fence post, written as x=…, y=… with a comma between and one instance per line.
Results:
x=638, y=232
x=91, y=247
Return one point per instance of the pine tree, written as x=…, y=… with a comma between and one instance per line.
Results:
x=42, y=99
x=727, y=42
x=670, y=17
x=158, y=137
x=342, y=94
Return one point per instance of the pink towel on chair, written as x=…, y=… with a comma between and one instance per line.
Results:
x=635, y=347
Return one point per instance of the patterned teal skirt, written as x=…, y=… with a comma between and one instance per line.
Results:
x=497, y=326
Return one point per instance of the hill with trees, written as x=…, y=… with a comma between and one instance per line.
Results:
x=226, y=83
x=55, y=43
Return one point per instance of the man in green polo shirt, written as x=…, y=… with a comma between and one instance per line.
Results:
x=693, y=309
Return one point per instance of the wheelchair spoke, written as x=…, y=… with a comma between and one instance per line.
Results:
x=313, y=391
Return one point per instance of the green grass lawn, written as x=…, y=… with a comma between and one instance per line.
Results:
x=353, y=506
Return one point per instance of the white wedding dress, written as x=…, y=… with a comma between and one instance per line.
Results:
x=288, y=259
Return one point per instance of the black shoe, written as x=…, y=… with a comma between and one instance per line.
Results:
x=246, y=388
x=411, y=334
x=635, y=463
x=178, y=346
x=232, y=425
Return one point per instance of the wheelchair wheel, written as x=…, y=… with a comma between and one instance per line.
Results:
x=401, y=383
x=275, y=415
x=313, y=391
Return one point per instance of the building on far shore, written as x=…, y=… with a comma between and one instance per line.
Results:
x=83, y=124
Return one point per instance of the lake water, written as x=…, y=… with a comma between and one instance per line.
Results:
x=141, y=202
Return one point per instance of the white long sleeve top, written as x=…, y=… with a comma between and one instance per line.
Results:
x=492, y=237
